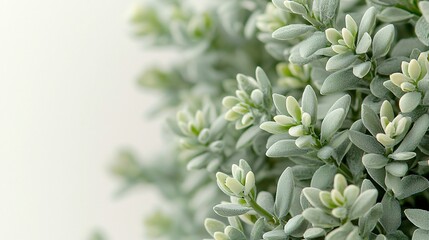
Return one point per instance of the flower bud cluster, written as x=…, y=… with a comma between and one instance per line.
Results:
x=412, y=73
x=251, y=101
x=242, y=182
x=344, y=41
x=344, y=203
x=293, y=76
x=272, y=19
x=394, y=127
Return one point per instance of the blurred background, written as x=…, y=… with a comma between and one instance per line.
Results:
x=68, y=103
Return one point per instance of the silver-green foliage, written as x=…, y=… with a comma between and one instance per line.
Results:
x=333, y=125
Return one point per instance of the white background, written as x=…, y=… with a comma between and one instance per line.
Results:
x=68, y=102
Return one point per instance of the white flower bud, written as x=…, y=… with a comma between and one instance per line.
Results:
x=297, y=131
x=390, y=130
x=293, y=108
x=284, y=120
x=250, y=183
x=414, y=69
x=231, y=115
x=340, y=183
x=348, y=37
x=402, y=124
x=351, y=25
x=257, y=96
x=385, y=140
x=386, y=110
x=234, y=185
x=398, y=79
x=337, y=197
x=240, y=109
x=404, y=68
x=408, y=87
x=333, y=35
x=306, y=119
x=247, y=119
x=230, y=101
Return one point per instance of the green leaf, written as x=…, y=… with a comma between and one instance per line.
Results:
x=397, y=169
x=369, y=221
x=340, y=81
x=419, y=217
x=234, y=233
x=264, y=82
x=314, y=233
x=394, y=14
x=280, y=103
x=415, y=135
x=363, y=203
x=367, y=23
x=310, y=45
x=422, y=31
x=411, y=185
x=365, y=142
x=341, y=61
x=213, y=225
x=382, y=41
x=328, y=10
x=319, y=218
x=424, y=8
x=284, y=194
x=378, y=89
x=362, y=69
x=372, y=160
x=294, y=225
x=410, y=101
x=275, y=235
x=364, y=44
x=312, y=196
x=292, y=31
x=230, y=209
x=285, y=148
x=280, y=4
x=266, y=201
x=248, y=136
x=402, y=156
x=323, y=178
x=331, y=123
x=309, y=102
x=258, y=229
x=273, y=127
x=391, y=218
x=371, y=120
x=420, y=234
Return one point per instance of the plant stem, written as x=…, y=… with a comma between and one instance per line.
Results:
x=261, y=211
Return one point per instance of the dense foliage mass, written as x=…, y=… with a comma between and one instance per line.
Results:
x=321, y=135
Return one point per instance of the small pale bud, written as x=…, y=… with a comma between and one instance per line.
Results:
x=220, y=236
x=297, y=131
x=305, y=141
x=250, y=183
x=247, y=119
x=293, y=108
x=339, y=212
x=230, y=101
x=231, y=115
x=340, y=183
x=240, y=109
x=284, y=120
x=408, y=87
x=386, y=110
x=199, y=119
x=385, y=140
x=221, y=180
x=204, y=136
x=306, y=119
x=257, y=96
x=414, y=69
x=390, y=130
x=384, y=121
x=234, y=185
x=340, y=49
x=325, y=198
x=351, y=25
x=398, y=79
x=237, y=172
x=402, y=124
x=404, y=68
x=332, y=35
x=348, y=37
x=242, y=95
x=337, y=197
